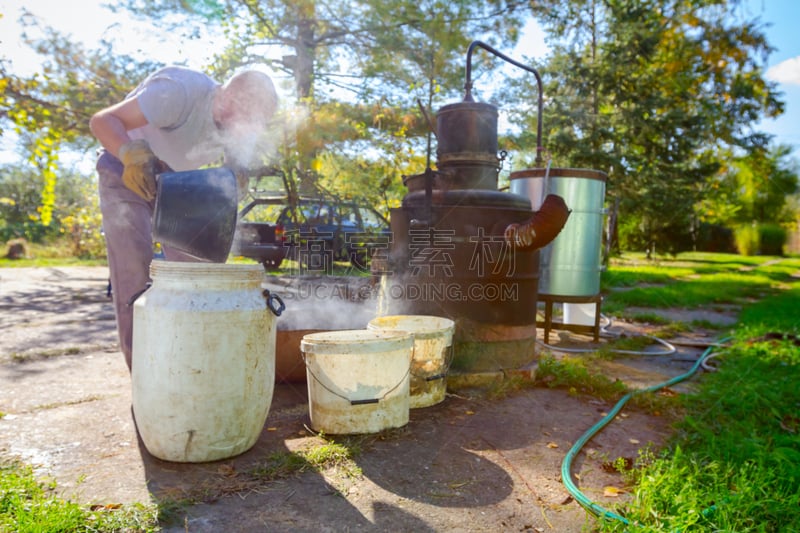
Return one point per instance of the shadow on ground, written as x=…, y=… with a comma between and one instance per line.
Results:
x=468, y=463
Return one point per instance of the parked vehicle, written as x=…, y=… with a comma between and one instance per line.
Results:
x=313, y=231
x=257, y=236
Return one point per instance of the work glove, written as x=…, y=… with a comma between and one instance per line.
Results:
x=141, y=166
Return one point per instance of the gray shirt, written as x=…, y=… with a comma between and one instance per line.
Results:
x=176, y=102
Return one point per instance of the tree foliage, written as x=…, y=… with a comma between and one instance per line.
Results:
x=348, y=59
x=75, y=212
x=663, y=95
x=50, y=109
x=652, y=92
x=762, y=183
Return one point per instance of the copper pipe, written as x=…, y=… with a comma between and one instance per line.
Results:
x=540, y=100
x=542, y=228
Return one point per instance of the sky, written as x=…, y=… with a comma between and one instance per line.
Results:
x=88, y=21
x=783, y=65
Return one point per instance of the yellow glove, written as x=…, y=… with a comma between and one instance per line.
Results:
x=141, y=166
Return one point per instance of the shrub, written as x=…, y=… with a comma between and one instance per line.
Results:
x=746, y=237
x=715, y=238
x=771, y=238
x=84, y=231
x=30, y=230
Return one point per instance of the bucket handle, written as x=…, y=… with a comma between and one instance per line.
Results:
x=358, y=402
x=271, y=299
x=136, y=295
x=345, y=398
x=448, y=362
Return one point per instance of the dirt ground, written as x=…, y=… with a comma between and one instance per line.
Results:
x=466, y=464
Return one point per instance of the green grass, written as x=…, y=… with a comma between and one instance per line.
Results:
x=28, y=505
x=712, y=289
x=621, y=275
x=281, y=465
x=574, y=375
x=780, y=313
x=50, y=262
x=56, y=253
x=734, y=462
x=693, y=281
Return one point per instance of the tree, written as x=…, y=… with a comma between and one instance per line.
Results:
x=358, y=68
x=50, y=110
x=651, y=92
x=762, y=183
x=75, y=212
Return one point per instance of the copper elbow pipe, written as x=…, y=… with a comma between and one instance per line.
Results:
x=542, y=228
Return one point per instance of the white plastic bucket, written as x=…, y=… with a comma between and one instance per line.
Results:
x=203, y=369
x=357, y=380
x=433, y=341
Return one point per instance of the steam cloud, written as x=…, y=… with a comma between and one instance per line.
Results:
x=314, y=304
x=255, y=148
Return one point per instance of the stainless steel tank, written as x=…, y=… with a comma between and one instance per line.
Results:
x=571, y=264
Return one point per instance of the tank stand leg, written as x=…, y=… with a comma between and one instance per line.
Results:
x=548, y=300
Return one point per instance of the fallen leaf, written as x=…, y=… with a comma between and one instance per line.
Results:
x=106, y=507
x=612, y=491
x=470, y=412
x=226, y=471
x=272, y=429
x=633, y=441
x=552, y=445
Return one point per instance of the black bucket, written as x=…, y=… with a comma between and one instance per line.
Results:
x=195, y=212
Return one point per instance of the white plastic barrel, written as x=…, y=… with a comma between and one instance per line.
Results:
x=203, y=369
x=357, y=380
x=433, y=340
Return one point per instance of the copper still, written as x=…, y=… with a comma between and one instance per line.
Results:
x=463, y=249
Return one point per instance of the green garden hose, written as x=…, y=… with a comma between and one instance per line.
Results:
x=566, y=465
